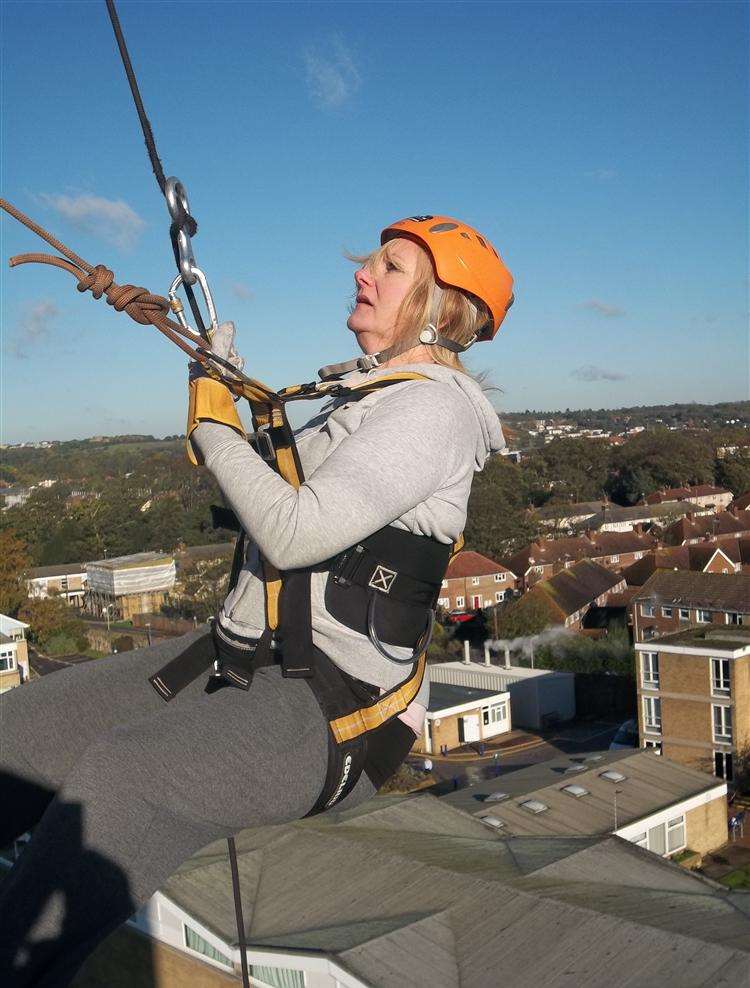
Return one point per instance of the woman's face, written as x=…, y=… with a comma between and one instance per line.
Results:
x=381, y=288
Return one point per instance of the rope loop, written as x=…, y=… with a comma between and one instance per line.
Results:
x=97, y=282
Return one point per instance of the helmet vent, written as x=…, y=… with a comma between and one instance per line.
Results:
x=481, y=242
x=443, y=227
x=465, y=235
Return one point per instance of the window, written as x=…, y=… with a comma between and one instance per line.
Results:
x=499, y=594
x=500, y=577
x=684, y=614
x=676, y=834
x=734, y=618
x=444, y=584
x=195, y=942
x=537, y=569
x=6, y=661
x=615, y=559
x=460, y=601
x=650, y=743
x=704, y=617
x=495, y=714
x=444, y=602
x=723, y=767
x=647, y=610
x=720, y=677
x=475, y=581
x=638, y=555
x=277, y=977
x=652, y=713
x=722, y=723
x=666, y=612
x=650, y=670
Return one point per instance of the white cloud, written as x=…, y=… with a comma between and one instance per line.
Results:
x=603, y=308
x=111, y=219
x=33, y=328
x=589, y=373
x=332, y=76
x=602, y=174
x=241, y=291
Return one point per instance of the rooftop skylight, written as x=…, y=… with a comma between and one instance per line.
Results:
x=496, y=797
x=575, y=768
x=611, y=775
x=576, y=791
x=492, y=821
x=534, y=805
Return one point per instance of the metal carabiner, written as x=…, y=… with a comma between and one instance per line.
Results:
x=177, y=307
x=179, y=210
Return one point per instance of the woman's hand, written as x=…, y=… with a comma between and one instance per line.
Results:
x=222, y=344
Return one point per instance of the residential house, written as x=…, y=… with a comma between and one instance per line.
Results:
x=730, y=524
x=571, y=593
x=15, y=496
x=617, y=519
x=459, y=715
x=704, y=557
x=694, y=695
x=742, y=502
x=706, y=495
x=124, y=586
x=656, y=803
x=672, y=600
x=544, y=557
x=66, y=580
x=14, y=655
x=565, y=516
x=474, y=581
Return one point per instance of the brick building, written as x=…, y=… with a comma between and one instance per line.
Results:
x=672, y=600
x=474, y=581
x=459, y=715
x=67, y=580
x=731, y=524
x=694, y=696
x=706, y=495
x=14, y=655
x=546, y=557
x=571, y=593
x=705, y=557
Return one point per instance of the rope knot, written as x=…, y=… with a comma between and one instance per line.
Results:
x=97, y=282
x=139, y=303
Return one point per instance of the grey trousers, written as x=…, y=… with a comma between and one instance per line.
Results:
x=122, y=787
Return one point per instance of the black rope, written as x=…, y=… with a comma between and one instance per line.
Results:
x=185, y=220
x=241, y=941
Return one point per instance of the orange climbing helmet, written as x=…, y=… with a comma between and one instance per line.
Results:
x=462, y=259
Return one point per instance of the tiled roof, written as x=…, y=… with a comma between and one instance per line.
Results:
x=742, y=502
x=698, y=527
x=693, y=557
x=61, y=569
x=720, y=591
x=468, y=563
x=571, y=589
x=577, y=547
x=685, y=493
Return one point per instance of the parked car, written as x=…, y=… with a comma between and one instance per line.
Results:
x=458, y=617
x=626, y=736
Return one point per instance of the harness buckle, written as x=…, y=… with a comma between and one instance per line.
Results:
x=263, y=444
x=347, y=565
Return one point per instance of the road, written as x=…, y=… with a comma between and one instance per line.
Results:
x=576, y=739
x=43, y=665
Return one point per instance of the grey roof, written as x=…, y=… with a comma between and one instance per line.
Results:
x=444, y=695
x=652, y=783
x=5, y=639
x=579, y=509
x=213, y=550
x=713, y=637
x=641, y=512
x=136, y=559
x=60, y=569
x=405, y=892
x=724, y=591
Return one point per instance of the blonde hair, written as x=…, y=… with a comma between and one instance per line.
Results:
x=459, y=317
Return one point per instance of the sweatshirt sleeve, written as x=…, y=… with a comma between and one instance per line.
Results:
x=407, y=446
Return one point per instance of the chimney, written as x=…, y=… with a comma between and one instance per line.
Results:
x=690, y=516
x=487, y=660
x=507, y=657
x=467, y=652
x=531, y=650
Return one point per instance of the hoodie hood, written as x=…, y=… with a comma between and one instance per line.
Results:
x=489, y=438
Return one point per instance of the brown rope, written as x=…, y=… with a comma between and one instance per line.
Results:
x=140, y=304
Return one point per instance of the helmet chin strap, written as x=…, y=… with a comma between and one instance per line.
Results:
x=429, y=336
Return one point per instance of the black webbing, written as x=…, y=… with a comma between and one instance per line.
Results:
x=241, y=942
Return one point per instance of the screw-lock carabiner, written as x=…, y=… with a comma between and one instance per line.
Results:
x=177, y=307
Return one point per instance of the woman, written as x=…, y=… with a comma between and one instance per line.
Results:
x=122, y=787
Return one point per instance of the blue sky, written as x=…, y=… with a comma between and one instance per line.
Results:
x=601, y=146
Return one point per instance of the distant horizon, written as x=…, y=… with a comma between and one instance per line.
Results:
x=508, y=411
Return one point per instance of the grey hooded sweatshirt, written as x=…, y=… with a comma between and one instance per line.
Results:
x=402, y=456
